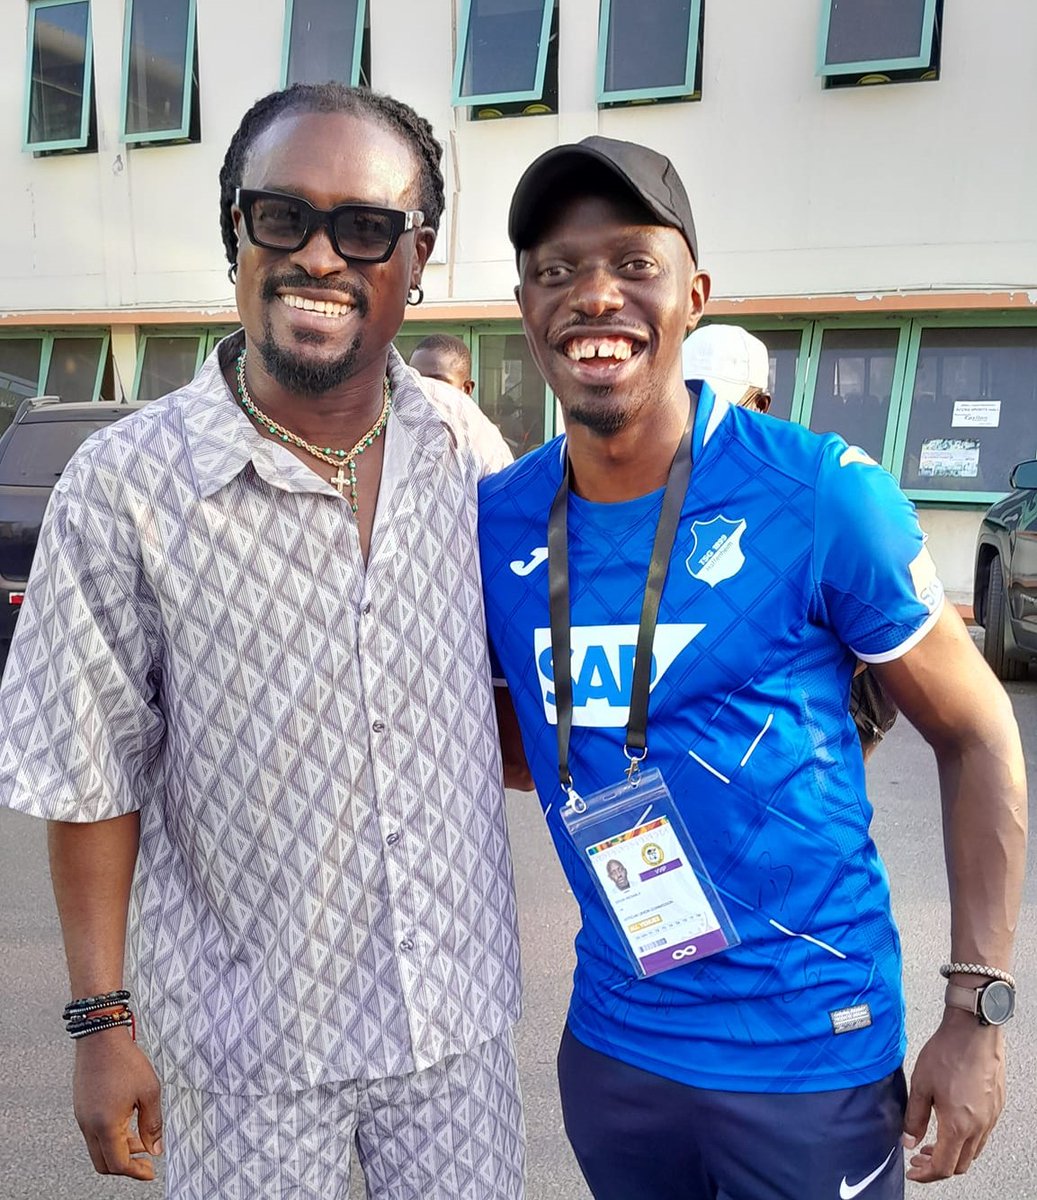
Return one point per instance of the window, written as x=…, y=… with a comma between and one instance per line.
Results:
x=973, y=410
x=507, y=57
x=649, y=49
x=75, y=369
x=854, y=385
x=167, y=362
x=879, y=41
x=327, y=39
x=19, y=374
x=510, y=391
x=216, y=335
x=160, y=72
x=60, y=102
x=783, y=350
x=508, y=387
x=406, y=343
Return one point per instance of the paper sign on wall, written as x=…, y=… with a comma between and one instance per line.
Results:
x=977, y=414
x=954, y=458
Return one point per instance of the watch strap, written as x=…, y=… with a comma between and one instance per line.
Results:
x=962, y=997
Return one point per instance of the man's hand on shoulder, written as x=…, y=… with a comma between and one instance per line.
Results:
x=960, y=1077
x=113, y=1079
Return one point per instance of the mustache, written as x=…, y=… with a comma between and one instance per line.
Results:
x=341, y=287
x=589, y=327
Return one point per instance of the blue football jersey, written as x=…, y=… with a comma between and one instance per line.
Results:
x=796, y=555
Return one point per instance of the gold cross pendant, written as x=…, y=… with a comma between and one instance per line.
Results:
x=341, y=479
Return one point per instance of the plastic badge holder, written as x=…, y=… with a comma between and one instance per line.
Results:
x=649, y=874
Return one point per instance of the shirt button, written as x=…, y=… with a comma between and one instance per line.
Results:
x=406, y=944
x=366, y=610
x=378, y=726
x=392, y=839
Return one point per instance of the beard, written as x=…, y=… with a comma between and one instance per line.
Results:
x=595, y=413
x=304, y=377
x=296, y=373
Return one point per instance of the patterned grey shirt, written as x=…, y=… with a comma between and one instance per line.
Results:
x=324, y=889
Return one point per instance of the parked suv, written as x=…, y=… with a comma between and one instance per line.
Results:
x=1005, y=589
x=34, y=450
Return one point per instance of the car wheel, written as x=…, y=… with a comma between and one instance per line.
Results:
x=1002, y=665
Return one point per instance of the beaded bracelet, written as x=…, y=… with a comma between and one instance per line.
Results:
x=89, y=1004
x=99, y=1024
x=956, y=968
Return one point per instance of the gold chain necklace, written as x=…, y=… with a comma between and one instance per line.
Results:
x=343, y=459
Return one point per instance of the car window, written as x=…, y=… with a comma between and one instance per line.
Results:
x=38, y=451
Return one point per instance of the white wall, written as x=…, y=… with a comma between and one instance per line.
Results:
x=796, y=190
x=952, y=543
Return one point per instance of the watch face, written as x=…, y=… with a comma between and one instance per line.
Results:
x=997, y=1002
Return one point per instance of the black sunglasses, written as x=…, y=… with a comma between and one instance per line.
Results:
x=358, y=232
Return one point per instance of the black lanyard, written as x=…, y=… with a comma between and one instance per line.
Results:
x=636, y=746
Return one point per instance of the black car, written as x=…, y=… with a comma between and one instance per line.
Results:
x=1005, y=589
x=34, y=450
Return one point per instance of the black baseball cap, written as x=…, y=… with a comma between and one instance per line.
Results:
x=650, y=176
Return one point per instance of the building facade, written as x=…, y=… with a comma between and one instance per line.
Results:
x=860, y=171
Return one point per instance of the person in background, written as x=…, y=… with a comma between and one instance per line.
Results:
x=446, y=358
x=736, y=365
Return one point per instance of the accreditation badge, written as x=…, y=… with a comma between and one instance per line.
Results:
x=648, y=872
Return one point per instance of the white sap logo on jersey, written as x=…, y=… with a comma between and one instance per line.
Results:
x=717, y=552
x=603, y=669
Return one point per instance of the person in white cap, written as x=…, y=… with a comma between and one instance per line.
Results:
x=735, y=364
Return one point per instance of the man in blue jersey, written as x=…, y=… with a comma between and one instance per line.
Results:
x=736, y=1031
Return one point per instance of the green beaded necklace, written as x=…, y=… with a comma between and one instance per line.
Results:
x=343, y=459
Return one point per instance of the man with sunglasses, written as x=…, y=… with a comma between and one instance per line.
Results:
x=250, y=675
x=679, y=667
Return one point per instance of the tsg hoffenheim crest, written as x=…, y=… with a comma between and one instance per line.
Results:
x=717, y=551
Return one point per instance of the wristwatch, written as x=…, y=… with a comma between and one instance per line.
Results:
x=991, y=1004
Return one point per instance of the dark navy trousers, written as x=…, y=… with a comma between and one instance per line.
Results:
x=640, y=1136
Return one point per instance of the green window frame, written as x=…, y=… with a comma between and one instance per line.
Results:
x=46, y=360
x=880, y=65
x=462, y=99
x=910, y=332
x=353, y=70
x=215, y=335
x=685, y=89
x=184, y=127
x=971, y=323
x=61, y=335
x=902, y=327
x=472, y=336
x=83, y=140
x=200, y=337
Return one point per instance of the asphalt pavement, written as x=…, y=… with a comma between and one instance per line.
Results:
x=42, y=1156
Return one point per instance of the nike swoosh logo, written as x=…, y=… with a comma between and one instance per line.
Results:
x=527, y=568
x=848, y=1191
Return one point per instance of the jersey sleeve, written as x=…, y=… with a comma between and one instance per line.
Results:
x=80, y=726
x=876, y=585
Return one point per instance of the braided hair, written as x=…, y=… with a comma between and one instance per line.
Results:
x=330, y=98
